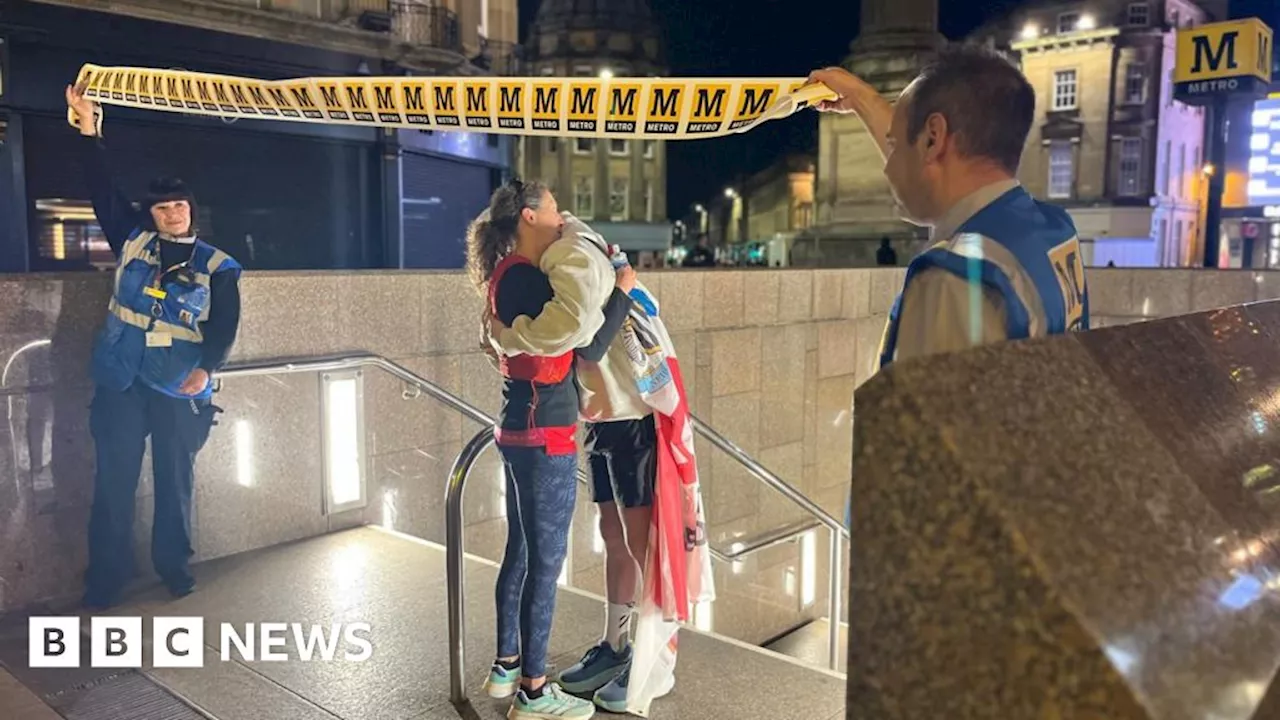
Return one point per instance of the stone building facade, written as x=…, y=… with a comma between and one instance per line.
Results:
x=276, y=195
x=1109, y=142
x=854, y=207
x=617, y=185
x=756, y=222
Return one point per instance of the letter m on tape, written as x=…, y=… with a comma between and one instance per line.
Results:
x=544, y=100
x=1206, y=53
x=583, y=101
x=709, y=103
x=623, y=101
x=755, y=102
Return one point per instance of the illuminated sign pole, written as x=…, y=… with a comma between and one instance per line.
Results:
x=1216, y=65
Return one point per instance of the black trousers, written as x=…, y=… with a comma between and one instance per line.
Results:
x=120, y=423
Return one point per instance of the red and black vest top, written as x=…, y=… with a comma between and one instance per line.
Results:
x=540, y=395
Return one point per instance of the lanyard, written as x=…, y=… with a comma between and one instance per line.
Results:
x=153, y=290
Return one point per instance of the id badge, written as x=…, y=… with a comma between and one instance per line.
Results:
x=155, y=292
x=159, y=340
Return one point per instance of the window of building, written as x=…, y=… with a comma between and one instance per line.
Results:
x=583, y=71
x=648, y=201
x=547, y=71
x=1064, y=90
x=1139, y=14
x=649, y=149
x=68, y=235
x=584, y=146
x=1061, y=169
x=1175, y=17
x=804, y=216
x=1135, y=83
x=1130, y=166
x=584, y=198
x=1068, y=21
x=619, y=188
x=553, y=144
x=618, y=147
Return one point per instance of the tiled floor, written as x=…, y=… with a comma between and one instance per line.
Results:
x=397, y=585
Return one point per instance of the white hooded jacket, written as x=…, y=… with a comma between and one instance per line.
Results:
x=582, y=279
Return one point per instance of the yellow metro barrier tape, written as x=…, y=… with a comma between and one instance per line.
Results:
x=650, y=108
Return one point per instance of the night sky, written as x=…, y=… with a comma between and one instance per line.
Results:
x=779, y=38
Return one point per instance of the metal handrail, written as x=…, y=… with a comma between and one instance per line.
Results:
x=770, y=538
x=455, y=540
x=762, y=474
x=471, y=452
x=297, y=366
x=289, y=367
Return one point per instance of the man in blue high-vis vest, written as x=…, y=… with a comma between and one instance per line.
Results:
x=171, y=321
x=1003, y=265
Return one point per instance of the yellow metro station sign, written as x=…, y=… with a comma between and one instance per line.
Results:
x=1223, y=59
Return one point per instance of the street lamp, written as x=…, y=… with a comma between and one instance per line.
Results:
x=605, y=74
x=730, y=192
x=702, y=217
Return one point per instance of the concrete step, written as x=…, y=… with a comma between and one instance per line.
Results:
x=808, y=644
x=396, y=584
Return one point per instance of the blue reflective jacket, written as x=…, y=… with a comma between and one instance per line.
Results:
x=1016, y=236
x=153, y=331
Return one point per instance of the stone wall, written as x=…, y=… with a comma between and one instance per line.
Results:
x=1073, y=527
x=775, y=357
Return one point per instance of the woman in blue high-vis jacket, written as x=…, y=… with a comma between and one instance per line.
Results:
x=170, y=323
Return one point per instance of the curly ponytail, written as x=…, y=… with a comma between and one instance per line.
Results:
x=492, y=235
x=485, y=249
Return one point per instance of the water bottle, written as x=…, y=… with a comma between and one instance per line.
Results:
x=618, y=257
x=619, y=260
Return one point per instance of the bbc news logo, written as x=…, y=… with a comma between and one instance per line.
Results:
x=178, y=642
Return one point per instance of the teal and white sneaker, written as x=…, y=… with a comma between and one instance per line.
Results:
x=502, y=683
x=600, y=665
x=613, y=697
x=552, y=704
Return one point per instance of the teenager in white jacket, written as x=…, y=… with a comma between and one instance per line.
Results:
x=621, y=441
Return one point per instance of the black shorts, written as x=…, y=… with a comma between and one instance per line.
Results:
x=623, y=456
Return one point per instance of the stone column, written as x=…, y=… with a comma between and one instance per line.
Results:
x=566, y=180
x=898, y=37
x=636, y=202
x=469, y=26
x=602, y=179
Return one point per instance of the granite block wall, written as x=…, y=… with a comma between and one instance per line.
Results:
x=772, y=358
x=1077, y=527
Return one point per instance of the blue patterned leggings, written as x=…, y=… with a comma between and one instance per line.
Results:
x=541, y=490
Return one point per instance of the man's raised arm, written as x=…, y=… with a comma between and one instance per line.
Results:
x=574, y=314
x=858, y=96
